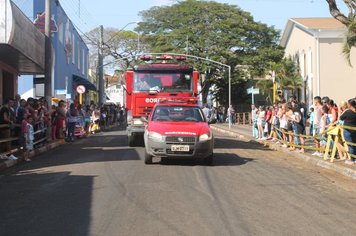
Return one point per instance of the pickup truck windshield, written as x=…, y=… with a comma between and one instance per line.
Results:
x=163, y=82
x=178, y=114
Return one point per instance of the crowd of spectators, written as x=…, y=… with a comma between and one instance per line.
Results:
x=219, y=114
x=32, y=120
x=290, y=119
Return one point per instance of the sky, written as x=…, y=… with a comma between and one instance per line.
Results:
x=88, y=14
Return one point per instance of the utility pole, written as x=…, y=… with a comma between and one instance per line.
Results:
x=48, y=54
x=101, y=67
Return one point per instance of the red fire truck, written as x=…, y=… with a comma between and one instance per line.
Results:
x=159, y=77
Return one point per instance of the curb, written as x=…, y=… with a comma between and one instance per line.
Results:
x=9, y=163
x=231, y=133
x=48, y=146
x=349, y=172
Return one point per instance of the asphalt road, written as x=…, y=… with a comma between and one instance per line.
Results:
x=100, y=186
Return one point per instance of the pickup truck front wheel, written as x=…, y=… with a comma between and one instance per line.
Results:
x=209, y=160
x=148, y=158
x=132, y=142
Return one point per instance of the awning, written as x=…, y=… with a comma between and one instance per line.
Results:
x=21, y=43
x=77, y=80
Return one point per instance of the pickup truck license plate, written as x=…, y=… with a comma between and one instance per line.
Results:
x=180, y=148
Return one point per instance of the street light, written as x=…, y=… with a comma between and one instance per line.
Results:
x=130, y=23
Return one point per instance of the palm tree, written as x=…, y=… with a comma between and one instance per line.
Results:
x=350, y=41
x=293, y=83
x=348, y=21
x=266, y=88
x=288, y=76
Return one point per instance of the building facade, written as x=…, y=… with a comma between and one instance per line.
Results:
x=70, y=53
x=316, y=44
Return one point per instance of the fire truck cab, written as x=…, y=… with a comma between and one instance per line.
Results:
x=147, y=83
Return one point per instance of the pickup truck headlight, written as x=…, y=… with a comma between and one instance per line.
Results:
x=205, y=137
x=155, y=136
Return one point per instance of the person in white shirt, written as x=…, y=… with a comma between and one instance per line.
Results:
x=206, y=111
x=254, y=111
x=261, y=121
x=231, y=114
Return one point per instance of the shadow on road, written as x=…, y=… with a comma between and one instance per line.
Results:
x=230, y=143
x=45, y=204
x=220, y=159
x=101, y=147
x=230, y=159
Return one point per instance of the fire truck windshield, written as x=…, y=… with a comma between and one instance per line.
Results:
x=163, y=81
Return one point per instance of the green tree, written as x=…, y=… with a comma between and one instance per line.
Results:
x=349, y=21
x=120, y=47
x=217, y=31
x=266, y=89
x=288, y=75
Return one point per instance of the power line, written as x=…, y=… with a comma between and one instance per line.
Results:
x=81, y=16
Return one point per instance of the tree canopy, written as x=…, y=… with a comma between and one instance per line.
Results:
x=218, y=31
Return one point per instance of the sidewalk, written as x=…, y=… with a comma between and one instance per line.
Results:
x=243, y=132
x=4, y=164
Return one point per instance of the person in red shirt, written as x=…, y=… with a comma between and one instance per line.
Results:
x=268, y=122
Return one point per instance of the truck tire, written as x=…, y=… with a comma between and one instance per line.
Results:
x=209, y=160
x=148, y=158
x=131, y=140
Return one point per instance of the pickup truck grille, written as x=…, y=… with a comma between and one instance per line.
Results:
x=180, y=140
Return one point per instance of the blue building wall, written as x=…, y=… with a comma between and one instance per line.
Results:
x=70, y=53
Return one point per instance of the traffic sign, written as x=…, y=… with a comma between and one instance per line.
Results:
x=253, y=91
x=81, y=89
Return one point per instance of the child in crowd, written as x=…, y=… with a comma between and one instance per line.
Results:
x=324, y=123
x=29, y=137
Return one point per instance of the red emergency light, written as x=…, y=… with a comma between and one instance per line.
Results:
x=189, y=100
x=164, y=57
x=146, y=58
x=181, y=58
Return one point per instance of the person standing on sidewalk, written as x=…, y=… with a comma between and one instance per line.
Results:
x=5, y=123
x=61, y=116
x=316, y=123
x=261, y=121
x=267, y=128
x=206, y=111
x=349, y=119
x=231, y=114
x=72, y=119
x=53, y=114
x=254, y=121
x=29, y=136
x=298, y=127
